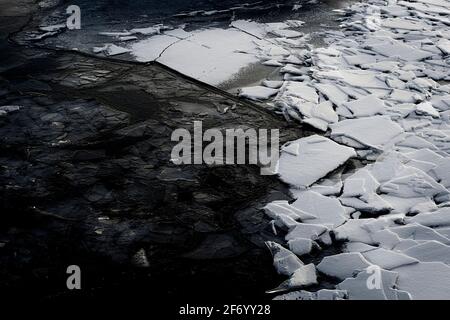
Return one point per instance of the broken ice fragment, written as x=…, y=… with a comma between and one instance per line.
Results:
x=344, y=265
x=365, y=107
x=302, y=277
x=317, y=157
x=257, y=93
x=285, y=262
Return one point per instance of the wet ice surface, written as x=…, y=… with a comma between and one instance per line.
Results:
x=380, y=91
x=219, y=39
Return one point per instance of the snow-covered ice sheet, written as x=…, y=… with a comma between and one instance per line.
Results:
x=209, y=55
x=317, y=156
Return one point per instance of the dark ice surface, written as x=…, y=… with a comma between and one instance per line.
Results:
x=85, y=178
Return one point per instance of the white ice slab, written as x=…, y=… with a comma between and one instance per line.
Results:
x=317, y=157
x=284, y=261
x=367, y=131
x=366, y=107
x=344, y=265
x=425, y=280
x=214, y=55
x=257, y=93
x=327, y=211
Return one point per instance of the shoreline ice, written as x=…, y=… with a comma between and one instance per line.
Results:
x=385, y=74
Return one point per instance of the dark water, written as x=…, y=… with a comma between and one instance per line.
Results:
x=128, y=10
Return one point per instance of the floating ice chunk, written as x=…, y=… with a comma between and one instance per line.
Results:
x=298, y=90
x=215, y=55
x=365, y=107
x=439, y=218
x=422, y=207
x=427, y=109
x=393, y=48
x=358, y=289
x=419, y=232
x=328, y=187
x=367, y=131
x=272, y=84
x=361, y=59
x=405, y=96
x=284, y=261
x=387, y=259
x=294, y=60
x=383, y=66
x=303, y=277
x=430, y=251
x=416, y=142
x=400, y=23
x=402, y=205
x=380, y=224
x=301, y=246
x=178, y=33
x=424, y=8
x=5, y=110
x=369, y=184
x=273, y=63
x=326, y=294
x=327, y=211
x=444, y=231
x=251, y=27
x=354, y=188
x=423, y=84
x=115, y=34
x=325, y=112
x=294, y=70
x=425, y=280
x=323, y=294
x=127, y=38
x=444, y=46
x=344, y=265
x=285, y=222
x=353, y=231
x=295, y=23
x=332, y=92
x=358, y=247
x=306, y=231
x=296, y=295
x=317, y=123
x=149, y=31
x=53, y=28
x=385, y=239
x=357, y=78
x=442, y=172
x=395, y=10
x=412, y=185
x=426, y=155
x=317, y=157
x=291, y=148
x=276, y=208
x=111, y=50
x=272, y=51
x=257, y=93
x=395, y=83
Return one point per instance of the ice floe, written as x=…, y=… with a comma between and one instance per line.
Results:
x=317, y=157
